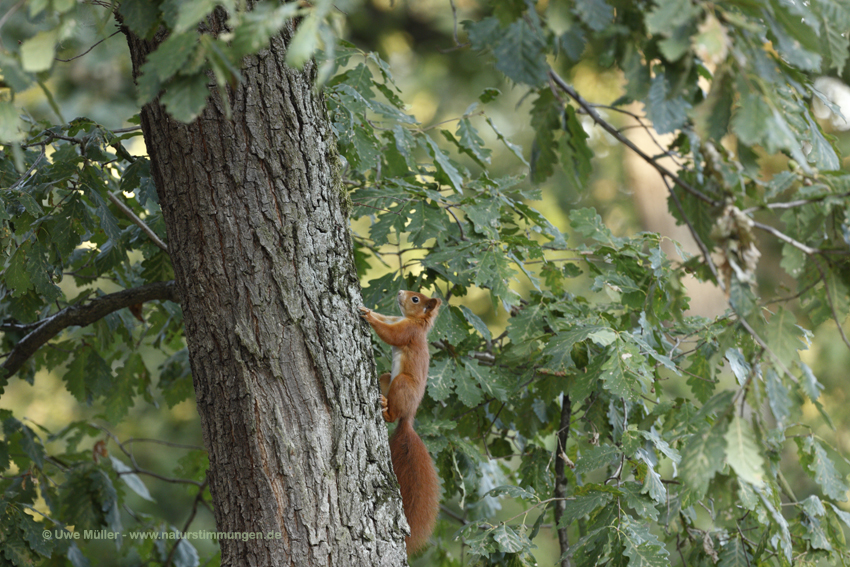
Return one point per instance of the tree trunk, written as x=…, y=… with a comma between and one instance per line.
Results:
x=259, y=239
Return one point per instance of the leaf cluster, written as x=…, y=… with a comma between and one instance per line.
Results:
x=199, y=45
x=70, y=491
x=82, y=220
x=596, y=326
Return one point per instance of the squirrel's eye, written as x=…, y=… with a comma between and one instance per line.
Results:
x=415, y=299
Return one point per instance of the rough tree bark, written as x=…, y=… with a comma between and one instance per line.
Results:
x=259, y=240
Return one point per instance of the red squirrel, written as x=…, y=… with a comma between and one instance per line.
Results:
x=401, y=391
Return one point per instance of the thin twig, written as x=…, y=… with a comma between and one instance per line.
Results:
x=462, y=235
x=87, y=50
x=543, y=503
x=486, y=358
x=160, y=477
x=453, y=515
x=588, y=108
x=741, y=534
x=831, y=304
x=137, y=469
x=37, y=511
x=137, y=221
x=161, y=442
x=458, y=44
x=640, y=124
x=785, y=238
x=763, y=345
x=790, y=297
x=679, y=549
x=561, y=477
x=52, y=136
x=27, y=173
x=548, y=260
x=702, y=247
x=454, y=19
x=432, y=126
x=11, y=11
x=198, y=498
x=794, y=204
x=18, y=327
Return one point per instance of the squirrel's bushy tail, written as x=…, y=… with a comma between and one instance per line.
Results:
x=417, y=478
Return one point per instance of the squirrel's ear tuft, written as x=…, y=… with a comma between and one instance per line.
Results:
x=433, y=303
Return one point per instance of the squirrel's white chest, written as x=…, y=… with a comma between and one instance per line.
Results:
x=396, y=364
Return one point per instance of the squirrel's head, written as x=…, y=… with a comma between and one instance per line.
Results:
x=413, y=304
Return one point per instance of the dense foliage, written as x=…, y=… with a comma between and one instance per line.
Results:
x=609, y=418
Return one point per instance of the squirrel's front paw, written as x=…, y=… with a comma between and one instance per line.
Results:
x=384, y=409
x=365, y=311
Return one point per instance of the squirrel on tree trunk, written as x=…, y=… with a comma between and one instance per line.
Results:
x=401, y=392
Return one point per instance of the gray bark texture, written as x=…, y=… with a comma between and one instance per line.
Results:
x=282, y=366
